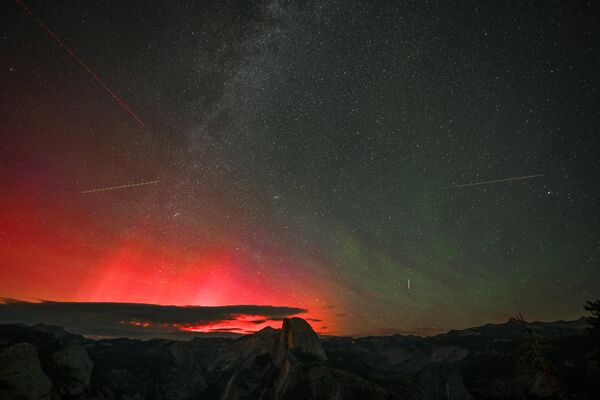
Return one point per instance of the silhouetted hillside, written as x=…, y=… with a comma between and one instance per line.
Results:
x=487, y=362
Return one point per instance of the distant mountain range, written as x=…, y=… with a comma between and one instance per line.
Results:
x=513, y=327
x=493, y=361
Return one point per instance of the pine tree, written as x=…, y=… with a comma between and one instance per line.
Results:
x=594, y=308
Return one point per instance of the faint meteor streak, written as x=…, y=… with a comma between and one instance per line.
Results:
x=120, y=187
x=494, y=181
x=79, y=61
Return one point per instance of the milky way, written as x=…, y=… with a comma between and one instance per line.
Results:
x=300, y=149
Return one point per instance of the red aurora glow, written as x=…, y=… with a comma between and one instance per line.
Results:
x=60, y=265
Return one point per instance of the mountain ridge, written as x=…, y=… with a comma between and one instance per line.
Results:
x=489, y=362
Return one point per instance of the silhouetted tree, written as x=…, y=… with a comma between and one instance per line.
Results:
x=594, y=308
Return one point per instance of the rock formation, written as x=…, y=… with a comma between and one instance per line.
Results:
x=76, y=367
x=21, y=375
x=489, y=362
x=297, y=337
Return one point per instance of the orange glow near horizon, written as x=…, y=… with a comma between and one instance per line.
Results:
x=240, y=324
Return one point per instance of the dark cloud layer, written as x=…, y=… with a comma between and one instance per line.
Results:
x=134, y=319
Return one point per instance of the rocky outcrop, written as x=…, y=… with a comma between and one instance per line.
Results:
x=297, y=337
x=492, y=362
x=21, y=375
x=311, y=380
x=58, y=333
x=75, y=369
x=291, y=364
x=440, y=381
x=186, y=379
x=153, y=370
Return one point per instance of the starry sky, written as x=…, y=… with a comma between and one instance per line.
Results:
x=306, y=153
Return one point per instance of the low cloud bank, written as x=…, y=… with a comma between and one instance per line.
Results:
x=137, y=320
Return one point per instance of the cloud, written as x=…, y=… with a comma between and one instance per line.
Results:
x=226, y=329
x=138, y=320
x=259, y=321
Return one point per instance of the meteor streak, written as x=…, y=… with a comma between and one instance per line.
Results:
x=120, y=187
x=494, y=181
x=79, y=61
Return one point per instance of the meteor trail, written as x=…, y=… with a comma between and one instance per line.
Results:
x=79, y=61
x=494, y=181
x=120, y=187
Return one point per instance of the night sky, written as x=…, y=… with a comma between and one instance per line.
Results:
x=306, y=153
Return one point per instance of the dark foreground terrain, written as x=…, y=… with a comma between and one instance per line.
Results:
x=488, y=362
